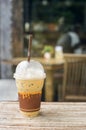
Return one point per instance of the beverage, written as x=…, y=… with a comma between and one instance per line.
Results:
x=29, y=80
x=59, y=53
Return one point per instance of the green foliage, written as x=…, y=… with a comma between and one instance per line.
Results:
x=48, y=48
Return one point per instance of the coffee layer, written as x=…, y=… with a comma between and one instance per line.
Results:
x=30, y=102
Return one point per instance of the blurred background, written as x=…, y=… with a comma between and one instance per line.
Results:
x=47, y=20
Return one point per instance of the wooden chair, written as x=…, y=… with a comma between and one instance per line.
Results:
x=74, y=80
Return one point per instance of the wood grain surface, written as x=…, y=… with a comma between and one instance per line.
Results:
x=53, y=116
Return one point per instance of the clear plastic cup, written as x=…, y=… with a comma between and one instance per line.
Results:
x=29, y=87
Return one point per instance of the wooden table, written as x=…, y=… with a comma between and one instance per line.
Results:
x=53, y=116
x=50, y=67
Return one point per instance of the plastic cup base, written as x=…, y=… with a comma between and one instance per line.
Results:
x=30, y=114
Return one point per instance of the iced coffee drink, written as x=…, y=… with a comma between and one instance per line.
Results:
x=29, y=80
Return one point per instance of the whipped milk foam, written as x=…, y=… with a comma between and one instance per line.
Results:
x=29, y=70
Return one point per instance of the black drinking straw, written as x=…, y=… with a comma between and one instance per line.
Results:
x=29, y=47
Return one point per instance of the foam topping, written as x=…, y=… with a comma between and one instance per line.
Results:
x=29, y=70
